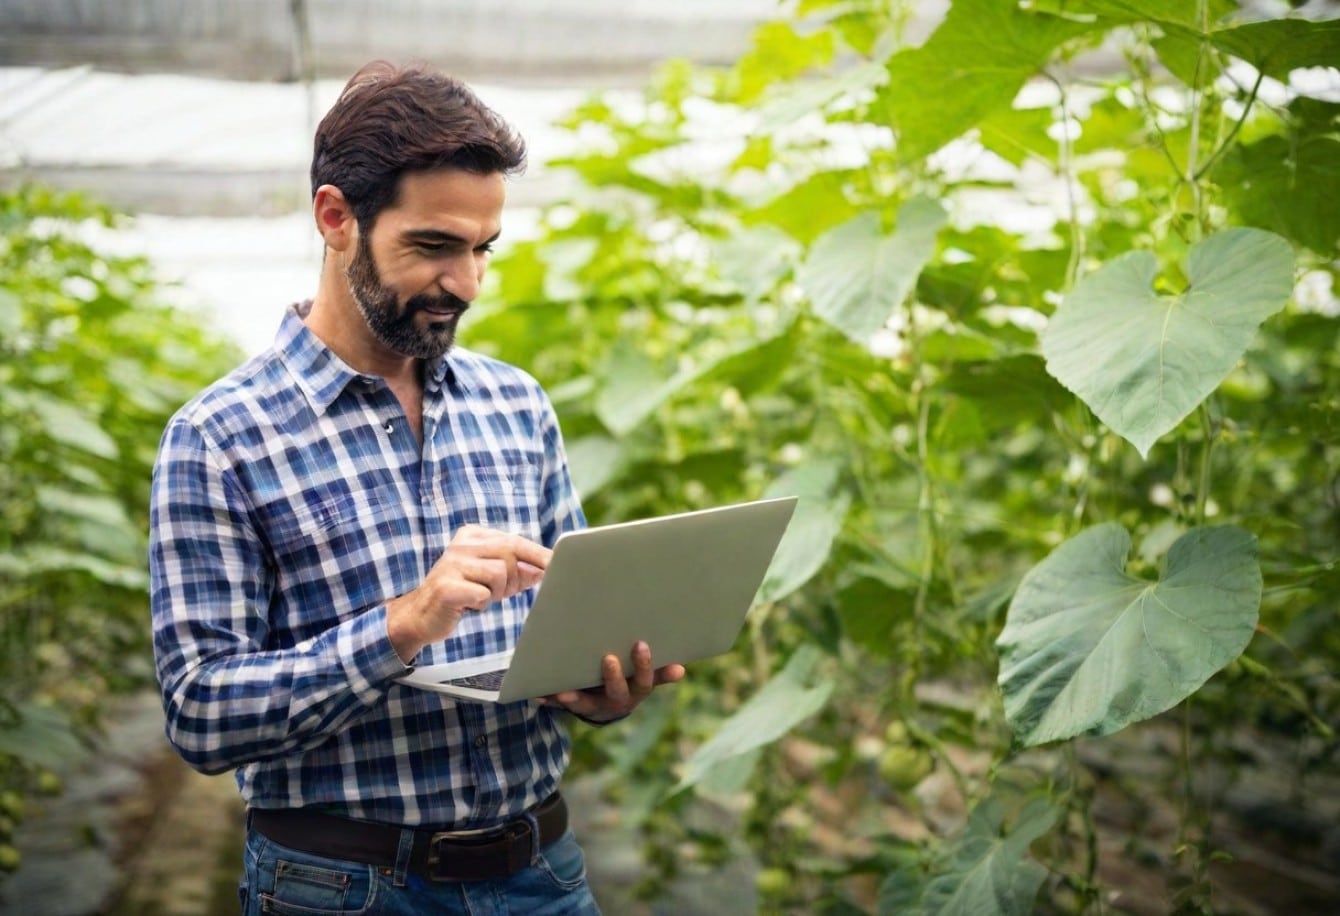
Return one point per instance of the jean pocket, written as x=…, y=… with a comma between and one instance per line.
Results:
x=563, y=862
x=291, y=883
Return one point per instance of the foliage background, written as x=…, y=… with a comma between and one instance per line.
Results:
x=833, y=270
x=836, y=269
x=92, y=364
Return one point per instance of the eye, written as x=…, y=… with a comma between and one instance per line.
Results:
x=486, y=248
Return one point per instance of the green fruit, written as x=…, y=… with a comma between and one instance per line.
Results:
x=9, y=858
x=11, y=805
x=48, y=783
x=773, y=882
x=896, y=732
x=903, y=766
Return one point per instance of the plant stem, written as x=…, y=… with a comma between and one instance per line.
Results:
x=1065, y=165
x=1197, y=100
x=1206, y=452
x=1082, y=800
x=1227, y=144
x=1140, y=68
x=926, y=522
x=1193, y=835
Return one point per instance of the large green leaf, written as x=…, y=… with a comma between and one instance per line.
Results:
x=869, y=608
x=807, y=209
x=1015, y=134
x=792, y=696
x=814, y=527
x=40, y=735
x=1174, y=15
x=1276, y=46
x=632, y=388
x=1290, y=182
x=95, y=508
x=975, y=63
x=753, y=260
x=1009, y=389
x=1273, y=46
x=69, y=425
x=11, y=314
x=856, y=275
x=1143, y=361
x=985, y=869
x=779, y=54
x=593, y=461
x=44, y=559
x=803, y=99
x=1088, y=648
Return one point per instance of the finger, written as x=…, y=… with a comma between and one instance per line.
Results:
x=473, y=545
x=568, y=699
x=643, y=675
x=577, y=702
x=525, y=550
x=470, y=538
x=670, y=674
x=523, y=559
x=616, y=685
x=529, y=573
x=458, y=582
x=511, y=577
x=488, y=572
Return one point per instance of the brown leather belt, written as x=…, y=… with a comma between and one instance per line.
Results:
x=453, y=855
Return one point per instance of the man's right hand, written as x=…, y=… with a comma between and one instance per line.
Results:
x=479, y=566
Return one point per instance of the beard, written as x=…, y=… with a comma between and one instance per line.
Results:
x=395, y=326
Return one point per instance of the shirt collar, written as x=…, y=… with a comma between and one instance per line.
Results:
x=442, y=371
x=323, y=376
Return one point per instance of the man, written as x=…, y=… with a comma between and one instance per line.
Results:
x=361, y=499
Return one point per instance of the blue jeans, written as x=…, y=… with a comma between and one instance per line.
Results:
x=285, y=882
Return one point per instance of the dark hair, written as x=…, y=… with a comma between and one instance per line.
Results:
x=391, y=120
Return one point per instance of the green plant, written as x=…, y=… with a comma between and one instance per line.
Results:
x=92, y=363
x=1022, y=332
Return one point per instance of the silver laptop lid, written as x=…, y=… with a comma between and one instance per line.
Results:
x=682, y=583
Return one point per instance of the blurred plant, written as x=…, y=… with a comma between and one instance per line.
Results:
x=92, y=363
x=937, y=291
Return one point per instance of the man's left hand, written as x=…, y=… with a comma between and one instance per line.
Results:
x=620, y=694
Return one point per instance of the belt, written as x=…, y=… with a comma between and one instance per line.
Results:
x=451, y=855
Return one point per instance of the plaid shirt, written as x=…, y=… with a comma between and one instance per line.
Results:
x=290, y=501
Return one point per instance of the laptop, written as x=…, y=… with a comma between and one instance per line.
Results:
x=682, y=583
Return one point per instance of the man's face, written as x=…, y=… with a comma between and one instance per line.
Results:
x=416, y=272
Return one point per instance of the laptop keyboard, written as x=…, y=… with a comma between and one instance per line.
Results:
x=489, y=680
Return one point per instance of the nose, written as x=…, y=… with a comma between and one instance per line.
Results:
x=462, y=277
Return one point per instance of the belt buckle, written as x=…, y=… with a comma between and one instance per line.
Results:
x=442, y=866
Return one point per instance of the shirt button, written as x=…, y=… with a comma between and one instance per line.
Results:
x=390, y=426
x=481, y=741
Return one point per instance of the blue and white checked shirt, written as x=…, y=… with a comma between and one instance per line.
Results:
x=290, y=501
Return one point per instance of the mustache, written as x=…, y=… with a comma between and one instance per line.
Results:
x=444, y=302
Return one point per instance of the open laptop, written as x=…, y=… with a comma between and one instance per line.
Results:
x=681, y=583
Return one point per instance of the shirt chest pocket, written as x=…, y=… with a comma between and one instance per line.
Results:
x=342, y=527
x=497, y=491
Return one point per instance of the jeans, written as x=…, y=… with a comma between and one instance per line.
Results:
x=285, y=882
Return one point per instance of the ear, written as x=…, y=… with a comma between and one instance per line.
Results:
x=334, y=218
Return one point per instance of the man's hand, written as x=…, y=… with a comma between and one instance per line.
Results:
x=619, y=695
x=479, y=566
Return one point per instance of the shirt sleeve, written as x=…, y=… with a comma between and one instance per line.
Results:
x=229, y=697
x=560, y=508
